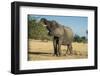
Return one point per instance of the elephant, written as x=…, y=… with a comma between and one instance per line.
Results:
x=62, y=35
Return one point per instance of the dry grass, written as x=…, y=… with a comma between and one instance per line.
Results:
x=39, y=50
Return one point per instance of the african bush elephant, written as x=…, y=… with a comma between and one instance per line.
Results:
x=61, y=35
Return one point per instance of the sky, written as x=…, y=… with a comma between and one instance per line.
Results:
x=78, y=24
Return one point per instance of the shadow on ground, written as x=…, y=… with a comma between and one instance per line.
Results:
x=39, y=53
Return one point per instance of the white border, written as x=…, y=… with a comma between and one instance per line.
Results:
x=26, y=65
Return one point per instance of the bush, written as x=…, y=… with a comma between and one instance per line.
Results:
x=37, y=31
x=77, y=38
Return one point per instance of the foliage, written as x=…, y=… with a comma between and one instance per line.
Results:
x=77, y=38
x=37, y=31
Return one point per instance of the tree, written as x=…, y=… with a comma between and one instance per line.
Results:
x=83, y=39
x=77, y=38
x=36, y=30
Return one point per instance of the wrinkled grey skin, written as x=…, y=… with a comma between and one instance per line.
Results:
x=61, y=36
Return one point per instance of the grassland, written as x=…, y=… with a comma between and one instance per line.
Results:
x=39, y=50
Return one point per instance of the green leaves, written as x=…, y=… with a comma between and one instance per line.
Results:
x=77, y=38
x=37, y=31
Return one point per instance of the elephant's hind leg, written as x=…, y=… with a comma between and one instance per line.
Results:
x=69, y=49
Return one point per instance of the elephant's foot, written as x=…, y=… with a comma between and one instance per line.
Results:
x=58, y=55
x=55, y=54
x=67, y=53
x=70, y=53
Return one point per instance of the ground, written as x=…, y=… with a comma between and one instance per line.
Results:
x=43, y=50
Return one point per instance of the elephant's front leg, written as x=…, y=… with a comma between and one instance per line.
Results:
x=55, y=47
x=71, y=49
x=59, y=47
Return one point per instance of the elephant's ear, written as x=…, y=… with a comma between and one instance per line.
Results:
x=58, y=32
